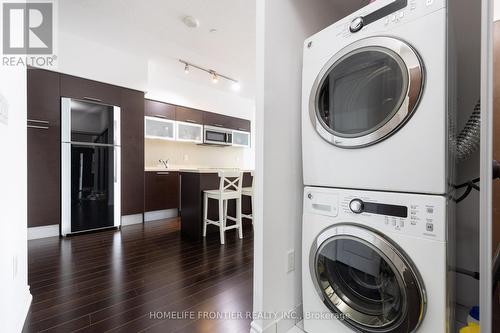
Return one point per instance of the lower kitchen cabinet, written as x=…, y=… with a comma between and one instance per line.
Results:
x=162, y=190
x=44, y=175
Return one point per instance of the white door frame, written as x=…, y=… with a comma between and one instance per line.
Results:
x=486, y=207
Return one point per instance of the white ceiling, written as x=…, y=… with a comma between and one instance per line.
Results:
x=154, y=29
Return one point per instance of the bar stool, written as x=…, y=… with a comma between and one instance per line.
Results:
x=229, y=189
x=248, y=191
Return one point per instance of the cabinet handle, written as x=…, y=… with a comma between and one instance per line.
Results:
x=163, y=173
x=190, y=121
x=242, y=129
x=38, y=127
x=93, y=99
x=38, y=121
x=160, y=116
x=218, y=125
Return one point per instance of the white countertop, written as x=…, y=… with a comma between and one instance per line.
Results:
x=210, y=170
x=191, y=170
x=161, y=169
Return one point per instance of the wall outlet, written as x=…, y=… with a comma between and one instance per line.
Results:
x=290, y=255
x=186, y=157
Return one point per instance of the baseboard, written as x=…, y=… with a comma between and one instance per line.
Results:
x=132, y=219
x=25, y=310
x=160, y=214
x=43, y=232
x=283, y=324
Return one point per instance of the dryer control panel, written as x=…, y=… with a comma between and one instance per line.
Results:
x=383, y=15
x=417, y=215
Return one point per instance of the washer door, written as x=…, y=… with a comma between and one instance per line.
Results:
x=367, y=281
x=366, y=92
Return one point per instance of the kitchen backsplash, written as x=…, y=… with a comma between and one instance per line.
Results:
x=189, y=155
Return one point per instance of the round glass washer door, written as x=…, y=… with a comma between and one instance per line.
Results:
x=366, y=92
x=367, y=281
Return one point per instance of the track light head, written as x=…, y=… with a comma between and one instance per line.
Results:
x=215, y=77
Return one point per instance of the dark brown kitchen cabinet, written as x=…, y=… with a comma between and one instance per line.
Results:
x=159, y=109
x=44, y=179
x=79, y=88
x=132, y=149
x=241, y=125
x=188, y=115
x=43, y=148
x=43, y=97
x=162, y=190
x=216, y=120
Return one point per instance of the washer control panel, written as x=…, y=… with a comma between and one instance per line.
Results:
x=413, y=214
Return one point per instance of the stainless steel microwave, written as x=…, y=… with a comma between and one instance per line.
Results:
x=217, y=136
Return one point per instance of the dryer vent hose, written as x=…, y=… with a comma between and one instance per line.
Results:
x=468, y=140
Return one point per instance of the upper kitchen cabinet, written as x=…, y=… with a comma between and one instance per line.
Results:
x=132, y=143
x=188, y=115
x=43, y=98
x=219, y=120
x=159, y=109
x=241, y=125
x=79, y=88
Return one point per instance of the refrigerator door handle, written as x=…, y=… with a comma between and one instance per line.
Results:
x=115, y=166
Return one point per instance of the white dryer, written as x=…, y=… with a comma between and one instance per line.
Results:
x=376, y=262
x=375, y=100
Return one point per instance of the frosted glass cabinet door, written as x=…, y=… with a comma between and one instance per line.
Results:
x=241, y=139
x=189, y=132
x=156, y=128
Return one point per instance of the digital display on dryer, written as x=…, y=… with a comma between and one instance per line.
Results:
x=384, y=209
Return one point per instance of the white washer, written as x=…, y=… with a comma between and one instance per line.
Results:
x=375, y=100
x=376, y=262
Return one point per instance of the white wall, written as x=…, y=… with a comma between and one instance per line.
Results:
x=496, y=6
x=282, y=27
x=14, y=290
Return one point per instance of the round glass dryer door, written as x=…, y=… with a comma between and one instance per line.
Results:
x=367, y=281
x=366, y=92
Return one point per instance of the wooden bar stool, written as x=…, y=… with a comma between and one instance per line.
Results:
x=248, y=191
x=229, y=189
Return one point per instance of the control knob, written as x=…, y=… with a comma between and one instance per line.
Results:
x=356, y=206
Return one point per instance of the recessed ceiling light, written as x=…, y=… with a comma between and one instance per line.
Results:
x=191, y=22
x=212, y=30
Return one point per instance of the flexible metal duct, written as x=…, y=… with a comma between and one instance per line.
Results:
x=468, y=140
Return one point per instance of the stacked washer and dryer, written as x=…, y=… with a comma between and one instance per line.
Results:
x=378, y=165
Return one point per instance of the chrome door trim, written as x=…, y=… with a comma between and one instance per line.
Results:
x=390, y=252
x=416, y=78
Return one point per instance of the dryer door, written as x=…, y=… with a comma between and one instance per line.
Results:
x=366, y=280
x=366, y=92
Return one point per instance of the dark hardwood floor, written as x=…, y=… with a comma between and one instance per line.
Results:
x=132, y=280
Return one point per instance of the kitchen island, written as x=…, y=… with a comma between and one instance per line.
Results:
x=193, y=183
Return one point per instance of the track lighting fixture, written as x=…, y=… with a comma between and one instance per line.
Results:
x=214, y=76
